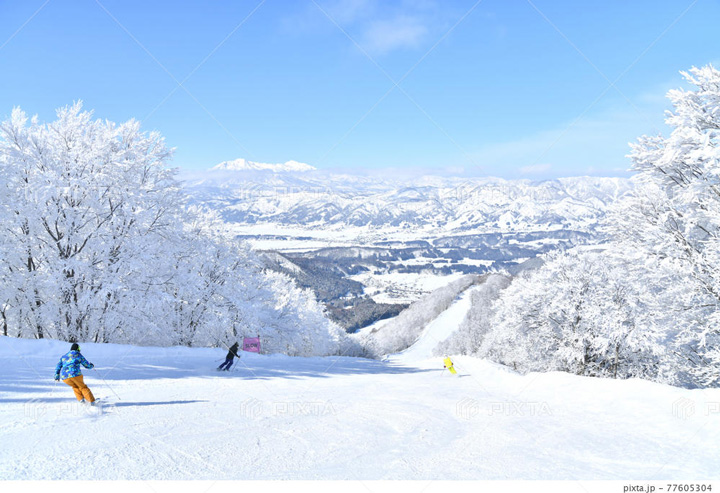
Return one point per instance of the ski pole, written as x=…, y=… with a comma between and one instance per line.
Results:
x=108, y=386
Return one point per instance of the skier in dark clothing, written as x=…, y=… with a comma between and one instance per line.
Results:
x=229, y=358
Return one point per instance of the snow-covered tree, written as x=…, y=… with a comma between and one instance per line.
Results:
x=83, y=200
x=580, y=312
x=674, y=218
x=298, y=326
x=97, y=244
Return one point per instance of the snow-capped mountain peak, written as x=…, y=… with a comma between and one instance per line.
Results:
x=245, y=165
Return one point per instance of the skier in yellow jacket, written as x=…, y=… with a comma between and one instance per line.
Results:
x=449, y=365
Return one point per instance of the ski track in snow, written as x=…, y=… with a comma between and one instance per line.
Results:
x=278, y=417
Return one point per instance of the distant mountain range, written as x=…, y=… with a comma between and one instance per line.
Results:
x=295, y=194
x=368, y=245
x=245, y=165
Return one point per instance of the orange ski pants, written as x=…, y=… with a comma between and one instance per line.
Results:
x=81, y=390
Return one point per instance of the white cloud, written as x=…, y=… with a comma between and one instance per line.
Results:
x=379, y=27
x=386, y=35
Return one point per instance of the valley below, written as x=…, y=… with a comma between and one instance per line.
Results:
x=369, y=246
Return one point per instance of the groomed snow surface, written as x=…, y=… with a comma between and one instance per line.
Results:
x=278, y=417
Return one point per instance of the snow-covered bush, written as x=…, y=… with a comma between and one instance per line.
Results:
x=402, y=331
x=97, y=244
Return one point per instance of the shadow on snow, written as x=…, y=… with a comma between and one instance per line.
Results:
x=39, y=377
x=159, y=403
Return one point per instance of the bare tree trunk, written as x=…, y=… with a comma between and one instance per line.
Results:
x=39, y=333
x=38, y=326
x=617, y=359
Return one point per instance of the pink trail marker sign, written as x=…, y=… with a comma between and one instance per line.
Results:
x=251, y=344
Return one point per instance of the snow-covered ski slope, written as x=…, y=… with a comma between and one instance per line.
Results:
x=438, y=330
x=340, y=418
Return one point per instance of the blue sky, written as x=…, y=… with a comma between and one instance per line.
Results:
x=512, y=88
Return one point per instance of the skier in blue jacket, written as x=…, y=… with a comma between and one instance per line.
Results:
x=69, y=370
